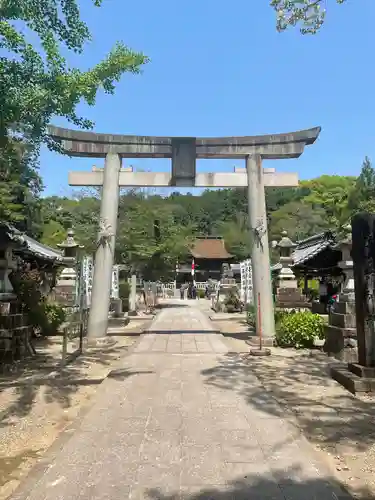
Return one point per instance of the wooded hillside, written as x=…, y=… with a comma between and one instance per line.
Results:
x=326, y=202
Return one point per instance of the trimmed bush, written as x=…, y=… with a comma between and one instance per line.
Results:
x=279, y=315
x=250, y=315
x=299, y=329
x=47, y=317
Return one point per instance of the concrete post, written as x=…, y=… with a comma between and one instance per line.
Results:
x=104, y=256
x=260, y=260
x=133, y=294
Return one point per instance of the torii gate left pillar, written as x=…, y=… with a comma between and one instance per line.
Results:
x=183, y=152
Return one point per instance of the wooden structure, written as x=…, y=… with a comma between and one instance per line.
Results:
x=315, y=257
x=18, y=250
x=17, y=247
x=208, y=255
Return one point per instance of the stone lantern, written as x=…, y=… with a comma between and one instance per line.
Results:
x=286, y=276
x=341, y=331
x=288, y=294
x=67, y=281
x=69, y=246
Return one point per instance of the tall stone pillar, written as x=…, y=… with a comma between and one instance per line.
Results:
x=260, y=259
x=363, y=253
x=360, y=377
x=104, y=256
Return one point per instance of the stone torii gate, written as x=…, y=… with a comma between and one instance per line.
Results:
x=183, y=151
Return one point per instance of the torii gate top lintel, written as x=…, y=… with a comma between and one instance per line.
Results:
x=273, y=146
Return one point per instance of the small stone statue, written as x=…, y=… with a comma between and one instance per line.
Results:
x=226, y=271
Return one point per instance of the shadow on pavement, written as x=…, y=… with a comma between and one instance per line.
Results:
x=174, y=305
x=281, y=486
x=58, y=386
x=123, y=373
x=180, y=332
x=301, y=387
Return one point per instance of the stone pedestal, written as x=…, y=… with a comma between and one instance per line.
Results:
x=290, y=298
x=225, y=287
x=117, y=308
x=318, y=308
x=341, y=332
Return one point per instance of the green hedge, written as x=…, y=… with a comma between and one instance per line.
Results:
x=293, y=329
x=299, y=329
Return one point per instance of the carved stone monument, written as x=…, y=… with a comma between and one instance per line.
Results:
x=360, y=376
x=227, y=285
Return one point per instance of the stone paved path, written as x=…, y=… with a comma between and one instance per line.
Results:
x=162, y=428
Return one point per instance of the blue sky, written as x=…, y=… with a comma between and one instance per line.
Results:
x=220, y=68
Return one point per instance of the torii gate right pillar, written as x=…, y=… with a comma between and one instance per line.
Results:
x=260, y=259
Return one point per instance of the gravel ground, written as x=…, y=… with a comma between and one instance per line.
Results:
x=38, y=402
x=339, y=424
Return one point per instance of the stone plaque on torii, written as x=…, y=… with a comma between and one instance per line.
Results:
x=183, y=151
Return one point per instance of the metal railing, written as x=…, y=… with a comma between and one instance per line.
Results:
x=169, y=286
x=73, y=334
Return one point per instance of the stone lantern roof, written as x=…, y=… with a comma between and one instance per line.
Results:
x=347, y=240
x=69, y=245
x=69, y=242
x=285, y=241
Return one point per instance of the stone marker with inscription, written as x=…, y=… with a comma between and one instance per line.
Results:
x=360, y=377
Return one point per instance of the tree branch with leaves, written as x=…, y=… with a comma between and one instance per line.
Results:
x=308, y=14
x=36, y=85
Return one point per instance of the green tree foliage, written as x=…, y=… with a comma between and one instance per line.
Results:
x=149, y=240
x=299, y=219
x=53, y=234
x=237, y=236
x=317, y=205
x=331, y=193
x=37, y=84
x=362, y=196
x=60, y=214
x=20, y=185
x=308, y=14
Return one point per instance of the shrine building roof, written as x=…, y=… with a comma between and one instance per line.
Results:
x=210, y=248
x=309, y=248
x=28, y=246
